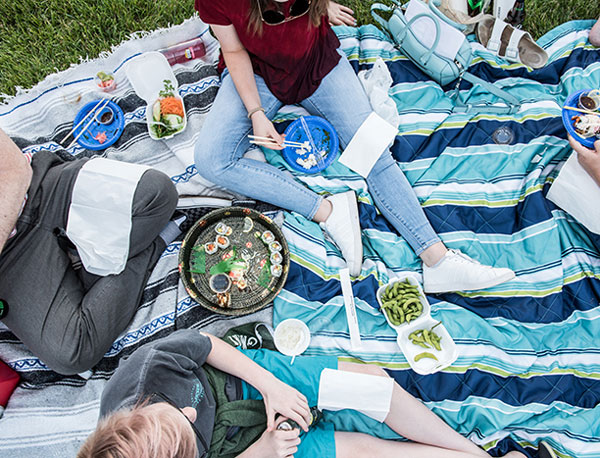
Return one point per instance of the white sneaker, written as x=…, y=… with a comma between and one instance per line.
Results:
x=343, y=226
x=458, y=272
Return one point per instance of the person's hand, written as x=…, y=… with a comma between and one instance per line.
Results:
x=282, y=399
x=277, y=444
x=340, y=15
x=588, y=158
x=263, y=127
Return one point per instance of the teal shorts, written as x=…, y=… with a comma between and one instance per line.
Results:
x=304, y=376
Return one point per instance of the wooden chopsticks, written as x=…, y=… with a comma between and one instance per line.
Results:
x=582, y=110
x=268, y=141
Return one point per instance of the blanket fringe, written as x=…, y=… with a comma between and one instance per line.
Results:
x=183, y=30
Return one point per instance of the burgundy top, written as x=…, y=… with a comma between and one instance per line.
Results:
x=292, y=57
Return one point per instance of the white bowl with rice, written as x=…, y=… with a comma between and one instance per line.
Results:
x=292, y=337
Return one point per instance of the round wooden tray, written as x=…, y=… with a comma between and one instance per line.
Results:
x=248, y=253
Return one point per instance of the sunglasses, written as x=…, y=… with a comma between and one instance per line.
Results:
x=275, y=16
x=160, y=397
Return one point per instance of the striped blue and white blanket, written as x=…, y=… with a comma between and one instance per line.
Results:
x=528, y=362
x=529, y=354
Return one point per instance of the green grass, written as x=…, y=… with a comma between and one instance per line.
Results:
x=40, y=37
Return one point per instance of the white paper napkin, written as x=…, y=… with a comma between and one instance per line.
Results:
x=576, y=192
x=99, y=220
x=371, y=139
x=368, y=394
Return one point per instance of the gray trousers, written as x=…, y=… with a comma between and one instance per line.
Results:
x=70, y=318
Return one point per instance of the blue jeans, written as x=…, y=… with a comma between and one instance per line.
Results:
x=341, y=100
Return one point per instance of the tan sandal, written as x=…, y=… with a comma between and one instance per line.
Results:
x=512, y=44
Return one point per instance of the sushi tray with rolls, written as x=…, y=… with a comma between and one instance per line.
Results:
x=234, y=261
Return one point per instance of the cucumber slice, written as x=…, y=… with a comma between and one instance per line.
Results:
x=156, y=111
x=173, y=120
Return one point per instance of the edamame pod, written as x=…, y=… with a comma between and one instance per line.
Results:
x=425, y=354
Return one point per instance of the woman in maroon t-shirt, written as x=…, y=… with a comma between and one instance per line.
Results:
x=279, y=52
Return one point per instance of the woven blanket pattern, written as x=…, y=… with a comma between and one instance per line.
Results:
x=49, y=414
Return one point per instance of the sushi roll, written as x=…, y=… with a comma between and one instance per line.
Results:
x=227, y=255
x=268, y=237
x=222, y=241
x=276, y=258
x=276, y=270
x=228, y=231
x=223, y=300
x=221, y=228
x=210, y=248
x=242, y=284
x=275, y=246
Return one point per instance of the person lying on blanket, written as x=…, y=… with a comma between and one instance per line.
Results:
x=161, y=403
x=284, y=51
x=65, y=315
x=588, y=158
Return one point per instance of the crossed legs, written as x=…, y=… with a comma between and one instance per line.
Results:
x=430, y=436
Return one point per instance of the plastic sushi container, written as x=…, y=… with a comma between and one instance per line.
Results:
x=147, y=74
x=448, y=353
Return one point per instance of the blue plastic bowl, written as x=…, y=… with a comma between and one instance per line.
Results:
x=573, y=101
x=323, y=136
x=112, y=130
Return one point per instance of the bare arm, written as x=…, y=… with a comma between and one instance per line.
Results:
x=240, y=68
x=588, y=158
x=15, y=178
x=278, y=396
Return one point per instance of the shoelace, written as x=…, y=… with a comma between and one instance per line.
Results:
x=464, y=257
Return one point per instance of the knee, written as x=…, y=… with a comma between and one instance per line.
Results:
x=209, y=159
x=156, y=194
x=71, y=359
x=385, y=161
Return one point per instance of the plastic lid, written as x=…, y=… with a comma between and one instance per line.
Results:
x=147, y=73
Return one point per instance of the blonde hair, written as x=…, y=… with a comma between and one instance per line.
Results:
x=141, y=432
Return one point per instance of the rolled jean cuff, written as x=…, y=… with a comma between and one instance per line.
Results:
x=423, y=246
x=310, y=215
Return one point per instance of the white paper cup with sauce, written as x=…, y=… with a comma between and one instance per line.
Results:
x=292, y=337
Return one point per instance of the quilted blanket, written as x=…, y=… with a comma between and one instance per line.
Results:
x=528, y=365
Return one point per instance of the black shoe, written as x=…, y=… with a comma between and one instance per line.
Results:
x=545, y=451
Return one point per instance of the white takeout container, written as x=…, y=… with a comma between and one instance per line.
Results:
x=423, y=299
x=448, y=353
x=445, y=357
x=302, y=344
x=147, y=73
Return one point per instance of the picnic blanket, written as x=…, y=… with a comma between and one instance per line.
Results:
x=528, y=364
x=49, y=414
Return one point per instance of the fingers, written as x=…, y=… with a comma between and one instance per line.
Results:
x=597, y=146
x=347, y=19
x=270, y=419
x=342, y=19
x=346, y=10
x=579, y=147
x=278, y=138
x=301, y=414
